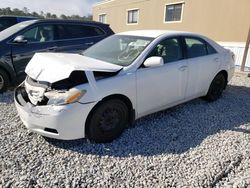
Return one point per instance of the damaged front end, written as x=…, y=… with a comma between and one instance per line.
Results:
x=53, y=77
x=58, y=93
x=51, y=109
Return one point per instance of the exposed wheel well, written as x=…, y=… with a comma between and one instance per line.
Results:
x=225, y=74
x=7, y=72
x=121, y=97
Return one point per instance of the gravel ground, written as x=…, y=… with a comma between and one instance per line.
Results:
x=197, y=144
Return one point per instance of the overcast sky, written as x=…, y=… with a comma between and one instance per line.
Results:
x=67, y=7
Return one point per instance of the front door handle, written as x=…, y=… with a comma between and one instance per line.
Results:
x=183, y=68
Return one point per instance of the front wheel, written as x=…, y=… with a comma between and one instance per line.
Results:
x=216, y=88
x=108, y=121
x=4, y=81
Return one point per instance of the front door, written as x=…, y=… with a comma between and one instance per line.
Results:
x=39, y=38
x=160, y=87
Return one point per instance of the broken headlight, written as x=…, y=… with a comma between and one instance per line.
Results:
x=64, y=97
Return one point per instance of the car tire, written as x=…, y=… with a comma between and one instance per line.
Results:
x=108, y=121
x=4, y=81
x=216, y=88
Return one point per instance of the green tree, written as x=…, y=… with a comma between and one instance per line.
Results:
x=63, y=17
x=25, y=12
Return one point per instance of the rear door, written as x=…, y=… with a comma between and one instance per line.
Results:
x=203, y=63
x=39, y=38
x=77, y=37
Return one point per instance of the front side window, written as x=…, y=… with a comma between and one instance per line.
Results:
x=103, y=18
x=169, y=50
x=42, y=33
x=118, y=49
x=133, y=16
x=173, y=12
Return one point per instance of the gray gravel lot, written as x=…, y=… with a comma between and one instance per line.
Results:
x=197, y=144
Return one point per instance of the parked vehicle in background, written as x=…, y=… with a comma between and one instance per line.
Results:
x=20, y=42
x=8, y=21
x=120, y=79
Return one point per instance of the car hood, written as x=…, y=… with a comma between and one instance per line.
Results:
x=53, y=67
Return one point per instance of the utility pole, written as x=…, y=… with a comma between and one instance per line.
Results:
x=245, y=52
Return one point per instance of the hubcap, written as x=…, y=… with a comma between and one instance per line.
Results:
x=1, y=82
x=109, y=119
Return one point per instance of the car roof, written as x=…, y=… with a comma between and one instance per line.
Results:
x=11, y=16
x=67, y=21
x=153, y=33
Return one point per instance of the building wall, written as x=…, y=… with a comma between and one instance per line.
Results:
x=221, y=20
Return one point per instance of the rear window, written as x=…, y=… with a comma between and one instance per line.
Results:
x=70, y=31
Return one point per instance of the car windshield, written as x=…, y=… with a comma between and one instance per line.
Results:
x=14, y=29
x=118, y=49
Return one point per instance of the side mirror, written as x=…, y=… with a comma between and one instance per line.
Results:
x=20, y=40
x=154, y=62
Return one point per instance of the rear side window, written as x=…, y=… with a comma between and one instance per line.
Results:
x=210, y=49
x=197, y=47
x=7, y=22
x=70, y=31
x=168, y=49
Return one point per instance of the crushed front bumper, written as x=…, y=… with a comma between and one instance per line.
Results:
x=65, y=122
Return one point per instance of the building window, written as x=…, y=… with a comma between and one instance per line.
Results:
x=133, y=16
x=173, y=12
x=103, y=18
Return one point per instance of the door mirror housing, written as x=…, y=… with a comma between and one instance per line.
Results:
x=154, y=62
x=20, y=40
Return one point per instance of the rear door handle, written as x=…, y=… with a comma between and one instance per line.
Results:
x=183, y=68
x=52, y=48
x=89, y=43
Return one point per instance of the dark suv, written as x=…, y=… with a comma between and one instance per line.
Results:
x=7, y=21
x=20, y=42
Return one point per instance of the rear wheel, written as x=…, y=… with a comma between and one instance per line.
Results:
x=108, y=121
x=216, y=88
x=4, y=81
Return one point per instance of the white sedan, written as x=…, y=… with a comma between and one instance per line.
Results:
x=99, y=93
